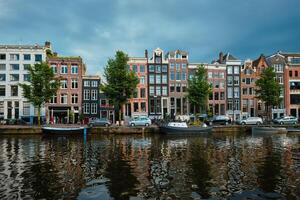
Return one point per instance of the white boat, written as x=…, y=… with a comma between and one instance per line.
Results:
x=183, y=128
x=268, y=130
x=63, y=130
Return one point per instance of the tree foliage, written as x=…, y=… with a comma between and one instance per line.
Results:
x=120, y=81
x=198, y=88
x=268, y=89
x=43, y=85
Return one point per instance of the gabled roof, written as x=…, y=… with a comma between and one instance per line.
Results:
x=261, y=58
x=173, y=53
x=275, y=58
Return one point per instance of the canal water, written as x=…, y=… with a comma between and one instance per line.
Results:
x=233, y=166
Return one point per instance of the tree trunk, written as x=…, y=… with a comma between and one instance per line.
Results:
x=120, y=113
x=39, y=115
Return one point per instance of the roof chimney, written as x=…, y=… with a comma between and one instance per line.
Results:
x=146, y=53
x=221, y=57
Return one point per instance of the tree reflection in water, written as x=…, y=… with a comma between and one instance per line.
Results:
x=200, y=169
x=268, y=172
x=121, y=180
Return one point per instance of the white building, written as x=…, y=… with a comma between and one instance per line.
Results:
x=14, y=61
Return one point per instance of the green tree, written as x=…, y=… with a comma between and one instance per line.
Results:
x=199, y=89
x=120, y=81
x=268, y=89
x=43, y=85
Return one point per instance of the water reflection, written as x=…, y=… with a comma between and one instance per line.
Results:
x=124, y=167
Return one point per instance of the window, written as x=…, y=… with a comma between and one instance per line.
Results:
x=38, y=57
x=210, y=74
x=86, y=108
x=183, y=87
x=222, y=84
x=229, y=80
x=143, y=106
x=157, y=59
x=215, y=75
x=14, y=77
x=2, y=77
x=158, y=79
x=164, y=79
x=177, y=67
x=26, y=108
x=2, y=56
x=183, y=76
x=151, y=90
x=86, y=94
x=142, y=68
x=236, y=69
x=178, y=87
x=158, y=69
x=158, y=91
x=94, y=95
x=177, y=76
x=172, y=76
x=135, y=107
x=26, y=66
x=221, y=75
x=296, y=73
x=229, y=69
x=164, y=68
x=74, y=83
x=236, y=92
x=295, y=60
x=14, y=67
x=74, y=98
x=64, y=69
x=236, y=80
x=53, y=99
x=151, y=78
x=93, y=108
x=142, y=80
x=229, y=105
x=222, y=96
x=151, y=68
x=63, y=98
x=2, y=67
x=183, y=66
x=164, y=90
x=177, y=55
x=14, y=57
x=14, y=90
x=217, y=84
x=172, y=87
x=216, y=96
x=2, y=90
x=248, y=81
x=250, y=91
x=143, y=93
x=26, y=77
x=172, y=65
x=94, y=83
x=229, y=92
x=63, y=84
x=74, y=69
x=134, y=68
x=2, y=109
x=27, y=57
x=245, y=91
x=278, y=67
x=86, y=83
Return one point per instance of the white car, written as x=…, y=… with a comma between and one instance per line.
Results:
x=252, y=121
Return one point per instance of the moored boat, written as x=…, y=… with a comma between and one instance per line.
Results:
x=268, y=130
x=63, y=130
x=293, y=130
x=182, y=128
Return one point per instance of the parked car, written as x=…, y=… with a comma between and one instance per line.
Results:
x=286, y=120
x=140, y=121
x=99, y=122
x=220, y=119
x=251, y=120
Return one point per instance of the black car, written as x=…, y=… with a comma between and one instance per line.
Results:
x=220, y=120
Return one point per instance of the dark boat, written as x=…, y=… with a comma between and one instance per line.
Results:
x=268, y=130
x=63, y=130
x=293, y=130
x=183, y=129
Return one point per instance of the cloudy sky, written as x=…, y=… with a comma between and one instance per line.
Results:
x=95, y=29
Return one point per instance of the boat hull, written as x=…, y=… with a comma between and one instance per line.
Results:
x=62, y=131
x=268, y=130
x=182, y=131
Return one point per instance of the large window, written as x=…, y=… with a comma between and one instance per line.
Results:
x=53, y=99
x=236, y=80
x=134, y=68
x=151, y=78
x=151, y=90
x=94, y=83
x=172, y=65
x=172, y=75
x=183, y=76
x=164, y=68
x=86, y=108
x=2, y=67
x=158, y=79
x=26, y=77
x=64, y=84
x=172, y=87
x=229, y=69
x=164, y=90
x=86, y=94
x=63, y=98
x=86, y=83
x=38, y=57
x=151, y=68
x=26, y=108
x=74, y=98
x=229, y=92
x=177, y=67
x=2, y=56
x=178, y=87
x=2, y=77
x=26, y=66
x=14, y=57
x=164, y=79
x=142, y=80
x=94, y=108
x=177, y=76
x=74, y=83
x=229, y=80
x=158, y=91
x=94, y=95
x=64, y=69
x=142, y=68
x=142, y=92
x=14, y=77
x=27, y=57
x=158, y=69
x=2, y=90
x=236, y=92
x=74, y=69
x=14, y=67
x=135, y=107
x=14, y=90
x=143, y=107
x=236, y=69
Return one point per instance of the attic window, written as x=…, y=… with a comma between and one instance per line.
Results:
x=183, y=56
